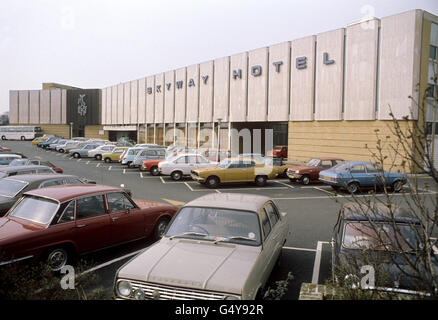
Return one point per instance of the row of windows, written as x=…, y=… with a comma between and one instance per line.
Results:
x=269, y=217
x=433, y=52
x=19, y=129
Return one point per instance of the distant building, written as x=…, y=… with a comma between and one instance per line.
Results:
x=4, y=119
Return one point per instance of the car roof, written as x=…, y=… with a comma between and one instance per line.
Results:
x=234, y=201
x=6, y=155
x=326, y=158
x=375, y=211
x=22, y=168
x=66, y=192
x=39, y=177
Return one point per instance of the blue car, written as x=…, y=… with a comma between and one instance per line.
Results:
x=354, y=175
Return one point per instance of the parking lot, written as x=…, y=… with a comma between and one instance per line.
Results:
x=312, y=213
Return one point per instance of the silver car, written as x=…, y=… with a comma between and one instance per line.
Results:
x=219, y=246
x=182, y=165
x=148, y=154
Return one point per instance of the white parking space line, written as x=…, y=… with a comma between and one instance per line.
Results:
x=110, y=167
x=111, y=262
x=87, y=162
x=348, y=196
x=97, y=165
x=317, y=188
x=188, y=186
x=317, y=263
x=285, y=184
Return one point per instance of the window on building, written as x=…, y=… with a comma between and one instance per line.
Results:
x=433, y=52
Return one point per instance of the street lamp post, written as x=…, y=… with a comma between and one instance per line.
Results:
x=71, y=130
x=218, y=138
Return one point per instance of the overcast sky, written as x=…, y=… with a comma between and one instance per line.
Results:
x=98, y=43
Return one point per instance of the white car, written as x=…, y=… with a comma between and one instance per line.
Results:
x=217, y=247
x=182, y=165
x=69, y=143
x=97, y=153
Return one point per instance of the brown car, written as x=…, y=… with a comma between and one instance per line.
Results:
x=56, y=224
x=310, y=171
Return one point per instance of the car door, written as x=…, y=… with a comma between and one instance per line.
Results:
x=93, y=223
x=357, y=173
x=126, y=221
x=278, y=228
x=268, y=248
x=374, y=175
x=236, y=171
x=202, y=162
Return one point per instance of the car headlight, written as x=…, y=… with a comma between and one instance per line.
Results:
x=139, y=295
x=297, y=171
x=232, y=297
x=124, y=288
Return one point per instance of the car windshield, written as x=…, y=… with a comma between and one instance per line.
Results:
x=224, y=163
x=35, y=209
x=313, y=163
x=18, y=162
x=381, y=236
x=10, y=188
x=217, y=225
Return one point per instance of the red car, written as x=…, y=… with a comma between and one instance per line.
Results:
x=57, y=224
x=39, y=162
x=151, y=166
x=278, y=152
x=4, y=149
x=310, y=171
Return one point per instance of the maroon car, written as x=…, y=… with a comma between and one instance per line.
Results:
x=310, y=171
x=57, y=224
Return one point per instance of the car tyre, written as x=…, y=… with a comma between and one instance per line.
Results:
x=397, y=186
x=305, y=180
x=353, y=187
x=160, y=228
x=107, y=160
x=154, y=171
x=57, y=258
x=22, y=138
x=260, y=181
x=3, y=138
x=212, y=182
x=176, y=175
x=98, y=157
x=61, y=150
x=76, y=155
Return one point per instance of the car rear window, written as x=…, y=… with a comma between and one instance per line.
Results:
x=9, y=188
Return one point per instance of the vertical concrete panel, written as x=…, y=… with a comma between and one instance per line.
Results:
x=159, y=98
x=134, y=102
x=127, y=103
x=180, y=95
x=23, y=106
x=150, y=99
x=141, y=100
x=238, y=86
x=114, y=104
x=64, y=106
x=258, y=85
x=45, y=106
x=55, y=106
x=206, y=92
x=279, y=75
x=221, y=88
x=192, y=87
x=302, y=79
x=104, y=106
x=34, y=106
x=13, y=106
x=361, y=70
x=108, y=106
x=169, y=96
x=329, y=75
x=120, y=102
x=400, y=43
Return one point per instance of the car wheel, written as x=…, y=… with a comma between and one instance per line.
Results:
x=397, y=186
x=3, y=138
x=76, y=155
x=176, y=175
x=212, y=182
x=353, y=187
x=260, y=181
x=98, y=157
x=22, y=138
x=305, y=180
x=107, y=160
x=154, y=171
x=160, y=228
x=61, y=150
x=57, y=258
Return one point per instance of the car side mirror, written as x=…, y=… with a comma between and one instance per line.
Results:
x=128, y=210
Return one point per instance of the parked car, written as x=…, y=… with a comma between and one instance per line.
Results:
x=278, y=152
x=152, y=166
x=258, y=157
x=39, y=162
x=40, y=225
x=214, y=155
x=386, y=239
x=41, y=139
x=310, y=171
x=354, y=175
x=279, y=166
x=128, y=156
x=67, y=144
x=97, y=152
x=82, y=152
x=12, y=188
x=182, y=165
x=47, y=142
x=8, y=171
x=77, y=145
x=114, y=155
x=150, y=153
x=53, y=146
x=6, y=159
x=219, y=246
x=234, y=170
x=4, y=149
